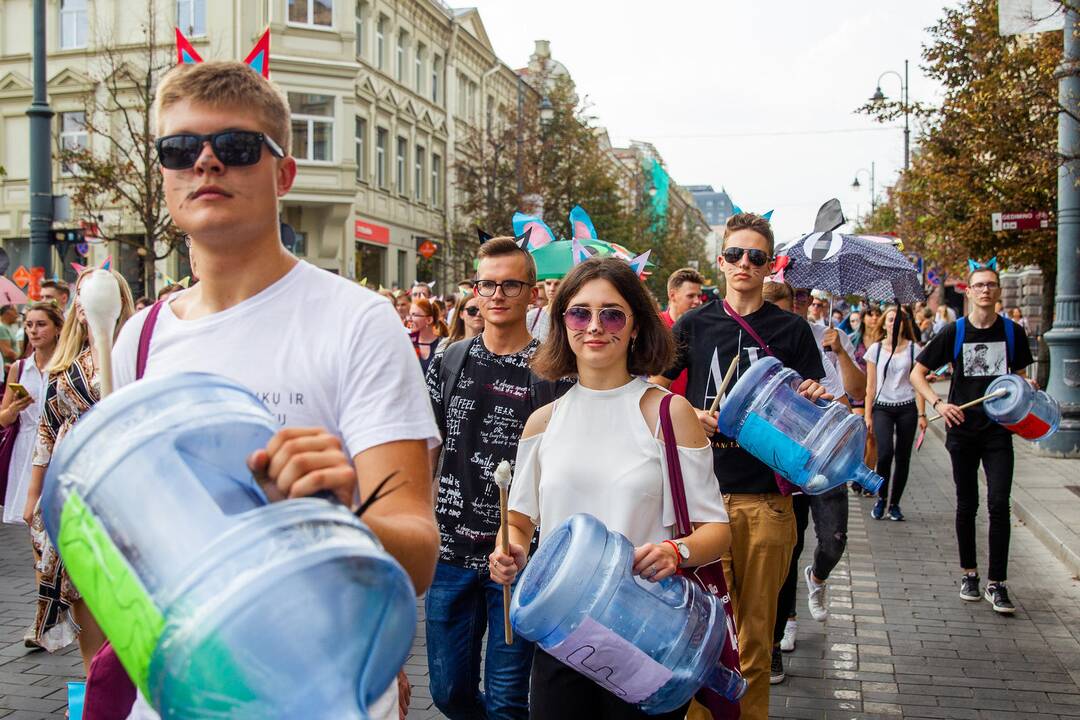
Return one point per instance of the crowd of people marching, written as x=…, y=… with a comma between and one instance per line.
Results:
x=566, y=378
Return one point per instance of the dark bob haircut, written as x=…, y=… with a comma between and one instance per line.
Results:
x=652, y=351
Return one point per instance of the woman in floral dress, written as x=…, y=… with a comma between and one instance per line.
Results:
x=73, y=388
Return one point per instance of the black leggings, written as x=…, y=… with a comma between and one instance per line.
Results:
x=560, y=693
x=894, y=428
x=995, y=450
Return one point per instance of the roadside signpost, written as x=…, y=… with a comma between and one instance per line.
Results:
x=1003, y=221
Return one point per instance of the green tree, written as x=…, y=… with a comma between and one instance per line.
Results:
x=989, y=147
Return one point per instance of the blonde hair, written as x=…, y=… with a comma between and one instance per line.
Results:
x=226, y=84
x=74, y=336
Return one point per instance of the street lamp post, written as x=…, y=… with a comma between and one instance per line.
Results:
x=855, y=185
x=1064, y=337
x=41, y=197
x=879, y=96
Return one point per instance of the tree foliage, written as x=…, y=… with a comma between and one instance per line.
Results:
x=989, y=147
x=118, y=169
x=566, y=162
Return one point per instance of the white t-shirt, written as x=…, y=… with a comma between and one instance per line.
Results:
x=318, y=350
x=834, y=380
x=538, y=320
x=896, y=387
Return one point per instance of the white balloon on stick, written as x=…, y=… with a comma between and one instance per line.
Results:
x=99, y=295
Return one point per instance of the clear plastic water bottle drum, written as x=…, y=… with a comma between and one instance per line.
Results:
x=1030, y=413
x=650, y=644
x=816, y=446
x=217, y=603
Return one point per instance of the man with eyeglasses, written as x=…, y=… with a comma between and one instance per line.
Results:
x=762, y=521
x=980, y=347
x=482, y=391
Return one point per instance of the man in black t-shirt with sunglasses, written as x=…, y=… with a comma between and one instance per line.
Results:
x=762, y=521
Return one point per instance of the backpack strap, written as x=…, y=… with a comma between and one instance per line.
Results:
x=143, y=353
x=453, y=362
x=958, y=341
x=1010, y=340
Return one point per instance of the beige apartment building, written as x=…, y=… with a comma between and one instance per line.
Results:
x=383, y=94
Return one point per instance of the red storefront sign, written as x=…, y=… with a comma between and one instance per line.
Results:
x=427, y=249
x=370, y=232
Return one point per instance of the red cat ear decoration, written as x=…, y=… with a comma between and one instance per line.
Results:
x=258, y=59
x=185, y=53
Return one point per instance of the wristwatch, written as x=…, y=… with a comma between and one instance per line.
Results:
x=684, y=550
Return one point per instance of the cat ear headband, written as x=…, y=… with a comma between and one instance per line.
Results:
x=991, y=264
x=104, y=266
x=534, y=229
x=736, y=210
x=522, y=240
x=258, y=59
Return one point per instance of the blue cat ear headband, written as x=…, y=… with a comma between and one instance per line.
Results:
x=991, y=264
x=736, y=210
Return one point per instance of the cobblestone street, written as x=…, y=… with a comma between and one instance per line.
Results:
x=899, y=641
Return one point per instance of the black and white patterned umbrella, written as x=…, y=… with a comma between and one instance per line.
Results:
x=850, y=264
x=853, y=265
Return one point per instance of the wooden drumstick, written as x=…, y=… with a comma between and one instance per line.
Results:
x=996, y=394
x=502, y=479
x=728, y=376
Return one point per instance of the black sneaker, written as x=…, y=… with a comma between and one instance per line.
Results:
x=776, y=673
x=998, y=596
x=895, y=514
x=969, y=588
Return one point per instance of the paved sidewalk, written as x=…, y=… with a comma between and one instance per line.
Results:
x=899, y=642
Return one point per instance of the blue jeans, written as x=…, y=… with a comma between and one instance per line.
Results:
x=460, y=605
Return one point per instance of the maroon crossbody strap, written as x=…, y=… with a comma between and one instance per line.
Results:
x=674, y=467
x=746, y=326
x=143, y=353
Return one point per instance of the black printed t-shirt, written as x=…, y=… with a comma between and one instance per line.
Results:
x=481, y=424
x=707, y=338
x=983, y=357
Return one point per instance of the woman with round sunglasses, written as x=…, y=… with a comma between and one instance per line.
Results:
x=596, y=450
x=467, y=322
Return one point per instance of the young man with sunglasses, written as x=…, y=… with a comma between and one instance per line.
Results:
x=483, y=392
x=326, y=356
x=988, y=348
x=762, y=521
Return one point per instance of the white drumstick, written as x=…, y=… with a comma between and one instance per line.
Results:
x=99, y=296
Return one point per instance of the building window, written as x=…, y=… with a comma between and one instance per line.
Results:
x=401, y=57
x=73, y=137
x=312, y=126
x=472, y=100
x=361, y=11
x=418, y=174
x=73, y=24
x=191, y=17
x=418, y=68
x=436, y=178
x=380, y=43
x=400, y=165
x=361, y=145
x=463, y=83
x=436, y=71
x=380, y=157
x=317, y=13
x=402, y=261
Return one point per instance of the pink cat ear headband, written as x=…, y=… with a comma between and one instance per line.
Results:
x=258, y=59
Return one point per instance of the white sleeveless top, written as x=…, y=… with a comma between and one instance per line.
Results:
x=598, y=456
x=33, y=379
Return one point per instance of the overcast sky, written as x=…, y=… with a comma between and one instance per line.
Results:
x=757, y=97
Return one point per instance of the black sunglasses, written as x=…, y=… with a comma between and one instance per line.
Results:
x=472, y=311
x=234, y=148
x=734, y=254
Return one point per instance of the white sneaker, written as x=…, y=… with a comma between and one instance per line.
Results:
x=817, y=597
x=787, y=643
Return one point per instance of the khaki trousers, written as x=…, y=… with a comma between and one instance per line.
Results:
x=762, y=538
